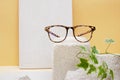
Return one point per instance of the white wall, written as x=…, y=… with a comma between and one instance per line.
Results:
x=35, y=49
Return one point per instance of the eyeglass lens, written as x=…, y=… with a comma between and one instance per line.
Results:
x=60, y=33
x=82, y=31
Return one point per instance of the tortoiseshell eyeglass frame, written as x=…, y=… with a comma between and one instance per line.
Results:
x=92, y=29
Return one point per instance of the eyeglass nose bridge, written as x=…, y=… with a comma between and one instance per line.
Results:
x=70, y=31
x=69, y=28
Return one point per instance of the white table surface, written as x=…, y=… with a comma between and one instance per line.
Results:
x=14, y=73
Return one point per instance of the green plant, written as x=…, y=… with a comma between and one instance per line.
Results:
x=109, y=42
x=91, y=64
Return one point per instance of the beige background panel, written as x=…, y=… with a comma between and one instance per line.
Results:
x=105, y=15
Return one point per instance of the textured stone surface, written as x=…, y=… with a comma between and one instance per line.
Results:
x=113, y=62
x=65, y=57
x=80, y=74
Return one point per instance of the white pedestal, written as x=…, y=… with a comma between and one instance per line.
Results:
x=113, y=62
x=65, y=57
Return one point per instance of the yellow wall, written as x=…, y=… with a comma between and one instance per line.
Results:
x=105, y=15
x=8, y=32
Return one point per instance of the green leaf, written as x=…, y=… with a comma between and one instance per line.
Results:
x=109, y=41
x=102, y=73
x=93, y=58
x=92, y=69
x=84, y=63
x=104, y=76
x=111, y=74
x=83, y=48
x=94, y=50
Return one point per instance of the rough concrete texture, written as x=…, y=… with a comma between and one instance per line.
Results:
x=65, y=57
x=113, y=62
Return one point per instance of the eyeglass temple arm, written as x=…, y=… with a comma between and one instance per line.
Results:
x=84, y=33
x=46, y=29
x=93, y=29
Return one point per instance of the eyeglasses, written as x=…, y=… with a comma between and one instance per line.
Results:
x=58, y=33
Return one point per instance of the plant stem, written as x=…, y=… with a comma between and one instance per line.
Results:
x=78, y=54
x=107, y=48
